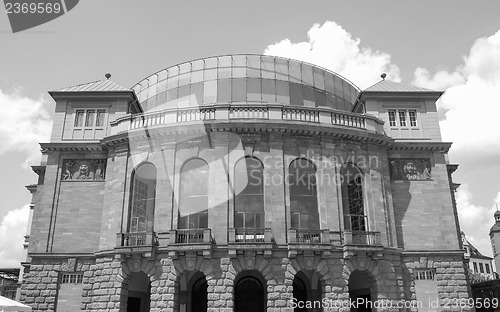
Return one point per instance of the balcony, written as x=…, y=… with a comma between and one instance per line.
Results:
x=138, y=242
x=322, y=116
x=362, y=238
x=312, y=240
x=259, y=240
x=192, y=240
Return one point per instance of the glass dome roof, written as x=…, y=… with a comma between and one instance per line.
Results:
x=242, y=79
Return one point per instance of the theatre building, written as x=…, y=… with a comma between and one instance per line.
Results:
x=243, y=183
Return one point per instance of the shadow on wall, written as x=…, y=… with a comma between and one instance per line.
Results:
x=401, y=198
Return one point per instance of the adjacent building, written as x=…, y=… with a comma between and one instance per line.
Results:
x=244, y=183
x=478, y=263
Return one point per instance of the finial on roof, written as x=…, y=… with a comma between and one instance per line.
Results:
x=108, y=75
x=383, y=76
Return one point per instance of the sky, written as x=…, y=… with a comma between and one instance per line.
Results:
x=446, y=45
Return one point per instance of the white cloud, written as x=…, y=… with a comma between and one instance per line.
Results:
x=471, y=216
x=24, y=123
x=13, y=227
x=472, y=100
x=332, y=47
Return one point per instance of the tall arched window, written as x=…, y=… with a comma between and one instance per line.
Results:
x=303, y=195
x=249, y=194
x=143, y=198
x=193, y=199
x=352, y=198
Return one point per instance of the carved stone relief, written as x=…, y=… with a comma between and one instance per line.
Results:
x=410, y=169
x=83, y=170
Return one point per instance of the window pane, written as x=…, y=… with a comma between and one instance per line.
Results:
x=303, y=196
x=197, y=65
x=100, y=118
x=196, y=97
x=239, y=60
x=79, y=118
x=203, y=220
x=239, y=91
x=413, y=118
x=281, y=69
x=295, y=222
x=282, y=92
x=183, y=97
x=296, y=94
x=211, y=63
x=294, y=72
x=89, y=119
x=249, y=220
x=254, y=91
x=224, y=91
x=267, y=67
x=307, y=75
x=268, y=91
x=210, y=92
x=238, y=220
x=184, y=68
x=259, y=220
x=193, y=200
x=225, y=61
x=224, y=72
x=197, y=76
x=210, y=74
x=329, y=83
x=392, y=118
x=172, y=97
x=319, y=78
x=319, y=98
x=308, y=96
x=402, y=118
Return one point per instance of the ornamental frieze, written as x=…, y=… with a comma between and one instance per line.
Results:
x=83, y=170
x=410, y=169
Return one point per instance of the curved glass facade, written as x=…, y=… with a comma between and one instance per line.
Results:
x=240, y=79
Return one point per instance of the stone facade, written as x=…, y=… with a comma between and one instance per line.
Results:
x=376, y=219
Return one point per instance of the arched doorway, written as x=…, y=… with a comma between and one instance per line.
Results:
x=360, y=288
x=138, y=294
x=199, y=295
x=249, y=295
x=307, y=291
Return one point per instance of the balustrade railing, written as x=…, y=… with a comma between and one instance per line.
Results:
x=248, y=113
x=196, y=114
x=298, y=114
x=227, y=112
x=308, y=236
x=362, y=238
x=348, y=120
x=250, y=235
x=190, y=236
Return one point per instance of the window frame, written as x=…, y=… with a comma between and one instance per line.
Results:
x=200, y=216
x=246, y=214
x=95, y=119
x=409, y=121
x=301, y=215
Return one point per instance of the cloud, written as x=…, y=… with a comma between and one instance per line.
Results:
x=471, y=216
x=13, y=226
x=24, y=123
x=332, y=47
x=471, y=104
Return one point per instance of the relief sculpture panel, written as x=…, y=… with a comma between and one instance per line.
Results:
x=83, y=170
x=410, y=169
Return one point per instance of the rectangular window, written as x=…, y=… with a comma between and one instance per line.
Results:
x=402, y=118
x=481, y=268
x=79, y=118
x=99, y=122
x=424, y=275
x=413, y=118
x=392, y=118
x=487, y=268
x=89, y=118
x=475, y=267
x=71, y=278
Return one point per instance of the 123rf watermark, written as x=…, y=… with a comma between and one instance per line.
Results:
x=330, y=305
x=26, y=14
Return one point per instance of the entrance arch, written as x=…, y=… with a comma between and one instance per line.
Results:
x=249, y=293
x=138, y=294
x=360, y=287
x=199, y=297
x=307, y=291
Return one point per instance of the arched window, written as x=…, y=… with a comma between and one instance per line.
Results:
x=352, y=198
x=303, y=195
x=143, y=198
x=193, y=199
x=249, y=194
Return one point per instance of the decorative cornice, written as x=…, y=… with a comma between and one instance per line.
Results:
x=72, y=147
x=40, y=170
x=420, y=146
